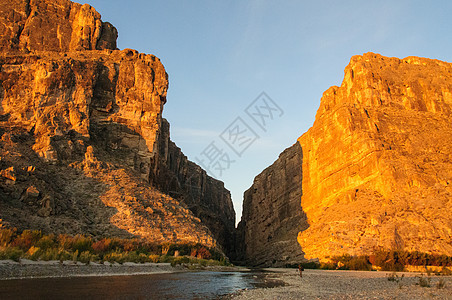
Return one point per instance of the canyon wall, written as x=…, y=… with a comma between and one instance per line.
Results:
x=272, y=216
x=83, y=139
x=376, y=166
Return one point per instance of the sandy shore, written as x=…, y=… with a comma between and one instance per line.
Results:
x=323, y=284
x=44, y=269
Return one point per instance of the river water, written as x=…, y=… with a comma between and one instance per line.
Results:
x=186, y=285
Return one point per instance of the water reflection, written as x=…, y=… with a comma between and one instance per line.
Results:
x=189, y=285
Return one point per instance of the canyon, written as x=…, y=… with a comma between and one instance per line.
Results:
x=84, y=147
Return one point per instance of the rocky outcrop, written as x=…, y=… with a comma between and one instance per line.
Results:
x=83, y=137
x=376, y=167
x=272, y=216
x=377, y=163
x=59, y=25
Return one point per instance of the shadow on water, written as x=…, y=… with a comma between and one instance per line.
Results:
x=189, y=285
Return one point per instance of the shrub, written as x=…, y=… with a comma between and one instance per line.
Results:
x=424, y=281
x=102, y=246
x=49, y=254
x=115, y=257
x=328, y=266
x=82, y=243
x=181, y=260
x=86, y=257
x=154, y=258
x=441, y=284
x=75, y=256
x=26, y=239
x=64, y=255
x=200, y=252
x=13, y=253
x=137, y=257
x=166, y=259
x=46, y=242
x=359, y=263
x=203, y=253
x=348, y=262
x=6, y=236
x=65, y=241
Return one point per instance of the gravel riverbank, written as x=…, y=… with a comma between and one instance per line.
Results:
x=326, y=284
x=43, y=269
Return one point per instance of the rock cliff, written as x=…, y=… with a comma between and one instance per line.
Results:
x=58, y=25
x=377, y=163
x=376, y=166
x=83, y=139
x=272, y=216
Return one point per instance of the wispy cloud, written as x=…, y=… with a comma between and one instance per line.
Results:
x=180, y=132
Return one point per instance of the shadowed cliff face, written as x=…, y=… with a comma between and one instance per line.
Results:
x=83, y=137
x=272, y=216
x=377, y=167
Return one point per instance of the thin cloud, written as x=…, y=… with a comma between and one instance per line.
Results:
x=193, y=133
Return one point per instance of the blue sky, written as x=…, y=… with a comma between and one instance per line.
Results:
x=221, y=55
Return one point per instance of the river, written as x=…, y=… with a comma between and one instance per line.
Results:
x=184, y=285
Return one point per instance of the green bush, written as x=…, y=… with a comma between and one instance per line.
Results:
x=137, y=257
x=166, y=259
x=46, y=242
x=154, y=258
x=82, y=243
x=181, y=260
x=75, y=256
x=86, y=257
x=115, y=257
x=49, y=254
x=14, y=253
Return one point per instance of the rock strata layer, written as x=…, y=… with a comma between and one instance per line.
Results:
x=83, y=140
x=272, y=216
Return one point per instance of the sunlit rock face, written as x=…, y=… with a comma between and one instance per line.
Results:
x=377, y=163
x=272, y=216
x=373, y=172
x=82, y=134
x=58, y=25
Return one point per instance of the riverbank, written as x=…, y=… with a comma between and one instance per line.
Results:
x=46, y=269
x=328, y=284
x=55, y=269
